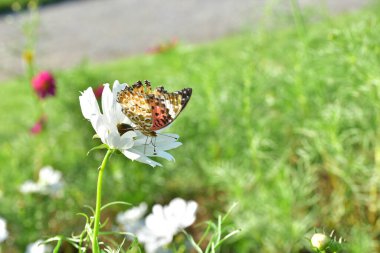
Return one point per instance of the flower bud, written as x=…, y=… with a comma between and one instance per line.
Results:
x=44, y=84
x=28, y=56
x=320, y=241
x=38, y=126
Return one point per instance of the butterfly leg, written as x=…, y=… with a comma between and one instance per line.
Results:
x=146, y=143
x=154, y=146
x=153, y=142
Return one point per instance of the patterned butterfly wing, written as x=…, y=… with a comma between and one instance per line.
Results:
x=152, y=111
x=135, y=106
x=166, y=106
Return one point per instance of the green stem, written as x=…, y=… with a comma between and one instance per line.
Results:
x=58, y=246
x=95, y=244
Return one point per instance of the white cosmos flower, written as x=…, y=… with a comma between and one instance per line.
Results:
x=38, y=247
x=49, y=183
x=132, y=219
x=3, y=230
x=133, y=144
x=166, y=221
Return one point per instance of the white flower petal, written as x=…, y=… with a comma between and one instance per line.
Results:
x=3, y=230
x=101, y=128
x=88, y=104
x=189, y=215
x=117, y=87
x=132, y=219
x=133, y=214
x=38, y=247
x=49, y=176
x=126, y=140
x=114, y=140
x=29, y=187
x=165, y=155
x=107, y=102
x=117, y=114
x=154, y=152
x=168, y=145
x=164, y=222
x=130, y=154
x=134, y=154
x=159, y=224
x=151, y=241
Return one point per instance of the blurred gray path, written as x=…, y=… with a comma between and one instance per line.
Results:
x=100, y=30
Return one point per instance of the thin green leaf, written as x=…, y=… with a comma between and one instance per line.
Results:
x=58, y=246
x=226, y=237
x=193, y=243
x=90, y=207
x=115, y=203
x=101, y=146
x=234, y=205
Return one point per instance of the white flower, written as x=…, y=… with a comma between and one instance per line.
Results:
x=153, y=243
x=38, y=247
x=29, y=187
x=3, y=230
x=181, y=213
x=319, y=241
x=166, y=221
x=49, y=176
x=133, y=144
x=49, y=183
x=132, y=219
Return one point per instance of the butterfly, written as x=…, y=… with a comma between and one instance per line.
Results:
x=150, y=110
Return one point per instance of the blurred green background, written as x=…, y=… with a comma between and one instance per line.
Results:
x=285, y=122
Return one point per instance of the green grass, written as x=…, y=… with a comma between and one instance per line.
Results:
x=285, y=122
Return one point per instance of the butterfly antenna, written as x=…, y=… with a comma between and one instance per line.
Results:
x=175, y=138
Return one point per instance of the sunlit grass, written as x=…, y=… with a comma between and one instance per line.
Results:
x=283, y=122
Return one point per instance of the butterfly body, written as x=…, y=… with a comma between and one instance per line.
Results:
x=151, y=110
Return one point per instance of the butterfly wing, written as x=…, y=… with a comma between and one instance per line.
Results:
x=135, y=106
x=166, y=106
x=152, y=111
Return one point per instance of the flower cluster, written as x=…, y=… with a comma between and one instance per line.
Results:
x=49, y=183
x=3, y=230
x=159, y=227
x=108, y=123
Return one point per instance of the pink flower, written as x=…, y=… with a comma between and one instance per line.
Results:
x=44, y=84
x=98, y=91
x=38, y=126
